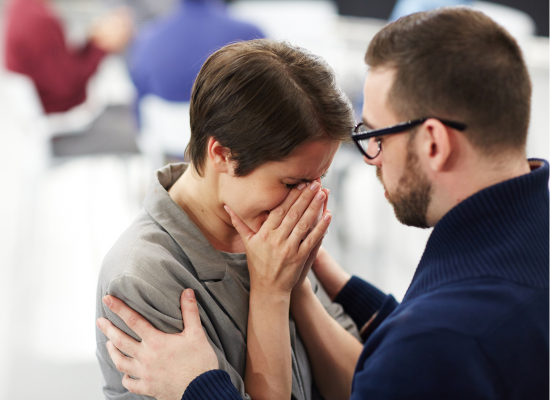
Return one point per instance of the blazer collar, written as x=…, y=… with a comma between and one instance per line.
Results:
x=208, y=263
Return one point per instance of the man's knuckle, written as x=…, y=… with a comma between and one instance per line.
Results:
x=119, y=366
x=132, y=321
x=117, y=342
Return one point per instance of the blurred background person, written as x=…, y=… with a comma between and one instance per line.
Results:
x=164, y=60
x=36, y=46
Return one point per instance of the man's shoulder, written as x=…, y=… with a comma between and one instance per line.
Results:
x=460, y=341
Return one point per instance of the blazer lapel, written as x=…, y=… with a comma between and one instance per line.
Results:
x=233, y=298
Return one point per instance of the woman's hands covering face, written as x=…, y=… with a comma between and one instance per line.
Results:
x=280, y=254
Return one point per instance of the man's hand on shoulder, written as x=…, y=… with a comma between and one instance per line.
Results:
x=162, y=364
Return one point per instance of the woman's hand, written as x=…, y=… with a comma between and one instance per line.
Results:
x=163, y=364
x=278, y=257
x=277, y=254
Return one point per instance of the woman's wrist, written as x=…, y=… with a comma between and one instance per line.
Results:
x=301, y=295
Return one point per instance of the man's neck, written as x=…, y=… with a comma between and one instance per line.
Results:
x=198, y=197
x=471, y=178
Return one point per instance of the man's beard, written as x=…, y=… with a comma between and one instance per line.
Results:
x=412, y=197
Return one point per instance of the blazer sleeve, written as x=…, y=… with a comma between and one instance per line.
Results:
x=163, y=313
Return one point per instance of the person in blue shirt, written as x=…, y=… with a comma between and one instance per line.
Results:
x=445, y=122
x=167, y=55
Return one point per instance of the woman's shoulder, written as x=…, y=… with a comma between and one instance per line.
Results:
x=146, y=253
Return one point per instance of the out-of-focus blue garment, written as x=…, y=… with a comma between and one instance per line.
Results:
x=167, y=55
x=406, y=7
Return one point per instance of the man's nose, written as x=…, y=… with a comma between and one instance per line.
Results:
x=377, y=161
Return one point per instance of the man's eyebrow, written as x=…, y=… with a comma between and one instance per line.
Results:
x=365, y=122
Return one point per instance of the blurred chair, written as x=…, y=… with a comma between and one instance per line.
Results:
x=165, y=129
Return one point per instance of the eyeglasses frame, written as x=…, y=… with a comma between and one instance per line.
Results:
x=398, y=128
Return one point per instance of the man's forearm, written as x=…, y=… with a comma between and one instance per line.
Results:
x=268, y=372
x=333, y=351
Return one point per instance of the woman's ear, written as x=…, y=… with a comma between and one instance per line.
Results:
x=219, y=157
x=436, y=144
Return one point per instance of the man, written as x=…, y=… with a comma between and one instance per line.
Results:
x=36, y=46
x=445, y=121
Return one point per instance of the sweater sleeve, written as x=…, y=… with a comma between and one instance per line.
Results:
x=212, y=385
x=361, y=300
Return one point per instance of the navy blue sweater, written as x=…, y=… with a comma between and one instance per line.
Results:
x=474, y=322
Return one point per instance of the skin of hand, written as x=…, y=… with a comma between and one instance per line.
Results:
x=278, y=256
x=277, y=253
x=329, y=273
x=113, y=31
x=164, y=364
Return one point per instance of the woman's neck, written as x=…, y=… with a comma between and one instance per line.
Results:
x=198, y=197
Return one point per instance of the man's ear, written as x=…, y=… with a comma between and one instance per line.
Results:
x=436, y=144
x=219, y=157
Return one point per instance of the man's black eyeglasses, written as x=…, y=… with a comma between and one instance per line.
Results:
x=367, y=140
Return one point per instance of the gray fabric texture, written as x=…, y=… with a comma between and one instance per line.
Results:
x=161, y=254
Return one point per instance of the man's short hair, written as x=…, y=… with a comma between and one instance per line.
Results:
x=262, y=99
x=457, y=63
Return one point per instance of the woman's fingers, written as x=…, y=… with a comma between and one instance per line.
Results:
x=131, y=318
x=310, y=215
x=277, y=215
x=292, y=219
x=316, y=234
x=243, y=229
x=124, y=364
x=121, y=340
x=190, y=312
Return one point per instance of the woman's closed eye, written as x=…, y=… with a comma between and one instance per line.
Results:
x=293, y=185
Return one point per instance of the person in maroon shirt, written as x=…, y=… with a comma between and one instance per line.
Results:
x=36, y=46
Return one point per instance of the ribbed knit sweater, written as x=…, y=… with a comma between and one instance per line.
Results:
x=474, y=322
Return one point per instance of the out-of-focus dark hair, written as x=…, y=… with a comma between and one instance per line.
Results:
x=262, y=99
x=457, y=63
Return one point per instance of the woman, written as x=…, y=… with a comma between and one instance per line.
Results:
x=266, y=121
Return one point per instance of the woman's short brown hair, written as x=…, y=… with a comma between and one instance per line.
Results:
x=261, y=99
x=457, y=63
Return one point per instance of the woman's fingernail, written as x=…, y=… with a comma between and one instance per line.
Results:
x=314, y=186
x=320, y=196
x=189, y=293
x=107, y=301
x=226, y=208
x=301, y=186
x=327, y=217
x=98, y=323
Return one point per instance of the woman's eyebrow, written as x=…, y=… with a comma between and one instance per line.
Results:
x=305, y=180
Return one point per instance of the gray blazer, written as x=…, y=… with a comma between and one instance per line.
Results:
x=161, y=254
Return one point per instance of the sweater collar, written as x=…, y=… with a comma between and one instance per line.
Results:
x=499, y=232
